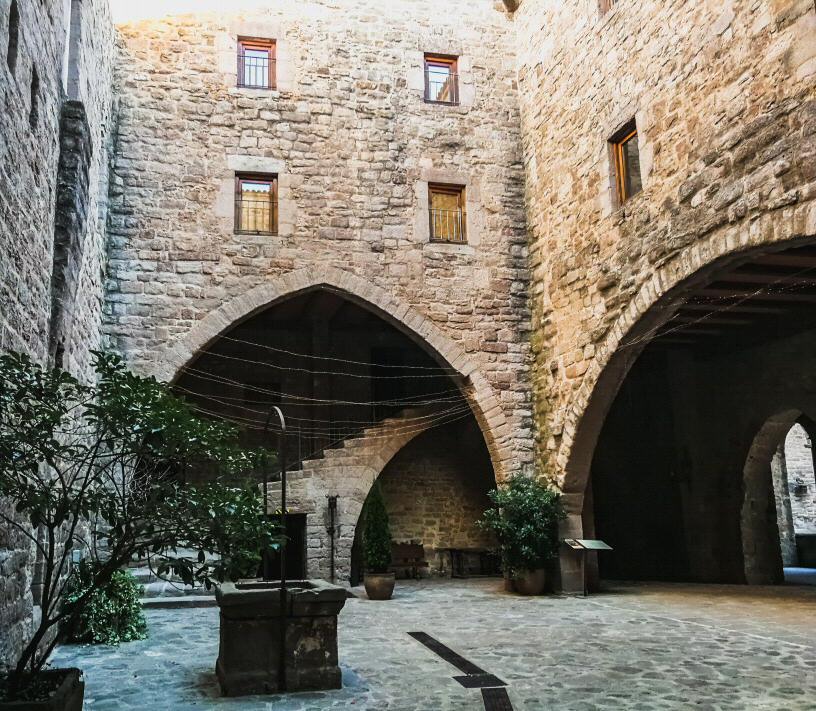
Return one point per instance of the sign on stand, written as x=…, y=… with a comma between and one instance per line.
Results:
x=584, y=545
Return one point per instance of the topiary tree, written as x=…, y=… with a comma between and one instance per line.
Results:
x=376, y=532
x=99, y=468
x=524, y=517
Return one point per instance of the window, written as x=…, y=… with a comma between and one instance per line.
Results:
x=447, y=213
x=441, y=80
x=13, y=36
x=626, y=157
x=34, y=114
x=256, y=204
x=256, y=63
x=607, y=5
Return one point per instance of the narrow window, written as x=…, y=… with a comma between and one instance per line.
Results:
x=626, y=156
x=607, y=5
x=256, y=204
x=13, y=36
x=256, y=63
x=34, y=114
x=447, y=213
x=441, y=79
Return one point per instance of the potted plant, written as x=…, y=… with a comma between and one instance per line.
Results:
x=524, y=518
x=378, y=582
x=95, y=470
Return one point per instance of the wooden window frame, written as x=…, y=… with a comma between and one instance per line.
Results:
x=617, y=143
x=441, y=60
x=257, y=43
x=270, y=178
x=447, y=189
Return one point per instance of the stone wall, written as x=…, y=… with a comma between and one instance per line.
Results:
x=801, y=480
x=354, y=146
x=29, y=167
x=723, y=96
x=436, y=489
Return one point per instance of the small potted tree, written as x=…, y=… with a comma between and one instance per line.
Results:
x=378, y=582
x=524, y=518
x=95, y=470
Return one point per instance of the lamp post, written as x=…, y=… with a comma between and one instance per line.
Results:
x=275, y=410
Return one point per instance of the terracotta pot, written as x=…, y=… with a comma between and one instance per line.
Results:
x=379, y=586
x=69, y=696
x=533, y=582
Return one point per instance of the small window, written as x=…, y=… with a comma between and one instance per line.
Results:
x=447, y=213
x=34, y=113
x=13, y=36
x=607, y=5
x=256, y=63
x=626, y=157
x=441, y=80
x=256, y=204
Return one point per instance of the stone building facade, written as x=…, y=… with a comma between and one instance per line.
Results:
x=56, y=125
x=723, y=99
x=118, y=216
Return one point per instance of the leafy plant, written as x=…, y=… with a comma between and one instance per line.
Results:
x=376, y=532
x=113, y=612
x=101, y=468
x=524, y=517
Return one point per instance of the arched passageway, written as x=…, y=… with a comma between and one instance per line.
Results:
x=684, y=426
x=358, y=392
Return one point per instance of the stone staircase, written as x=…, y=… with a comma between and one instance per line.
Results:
x=170, y=593
x=348, y=472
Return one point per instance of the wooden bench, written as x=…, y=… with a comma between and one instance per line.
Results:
x=407, y=559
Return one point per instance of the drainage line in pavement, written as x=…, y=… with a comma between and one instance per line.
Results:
x=495, y=697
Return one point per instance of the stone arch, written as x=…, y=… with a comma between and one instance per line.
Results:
x=762, y=558
x=649, y=309
x=422, y=330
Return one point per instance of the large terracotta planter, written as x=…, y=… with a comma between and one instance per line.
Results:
x=249, y=649
x=379, y=586
x=533, y=582
x=69, y=696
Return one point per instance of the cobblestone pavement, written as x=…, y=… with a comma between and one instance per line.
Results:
x=649, y=646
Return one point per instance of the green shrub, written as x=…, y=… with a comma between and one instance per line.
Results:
x=376, y=532
x=113, y=613
x=524, y=517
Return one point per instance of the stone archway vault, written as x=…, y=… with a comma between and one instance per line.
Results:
x=474, y=386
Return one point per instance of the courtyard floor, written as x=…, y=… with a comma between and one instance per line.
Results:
x=649, y=646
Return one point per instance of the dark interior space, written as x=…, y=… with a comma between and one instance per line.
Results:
x=333, y=367
x=671, y=486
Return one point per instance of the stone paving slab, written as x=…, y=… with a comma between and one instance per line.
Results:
x=635, y=647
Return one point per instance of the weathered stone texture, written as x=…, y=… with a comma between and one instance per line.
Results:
x=29, y=158
x=723, y=95
x=435, y=490
x=801, y=480
x=354, y=145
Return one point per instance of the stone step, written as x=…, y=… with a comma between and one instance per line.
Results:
x=178, y=603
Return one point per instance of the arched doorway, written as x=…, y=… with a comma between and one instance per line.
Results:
x=357, y=389
x=673, y=423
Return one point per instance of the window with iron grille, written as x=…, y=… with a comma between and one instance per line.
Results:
x=446, y=204
x=607, y=5
x=441, y=79
x=256, y=63
x=626, y=157
x=256, y=204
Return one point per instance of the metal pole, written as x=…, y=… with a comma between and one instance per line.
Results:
x=282, y=620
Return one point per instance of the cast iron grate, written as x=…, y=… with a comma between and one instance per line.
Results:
x=479, y=681
x=496, y=700
x=447, y=654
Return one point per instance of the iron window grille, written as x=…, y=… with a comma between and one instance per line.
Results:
x=256, y=204
x=626, y=158
x=446, y=214
x=441, y=80
x=256, y=64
